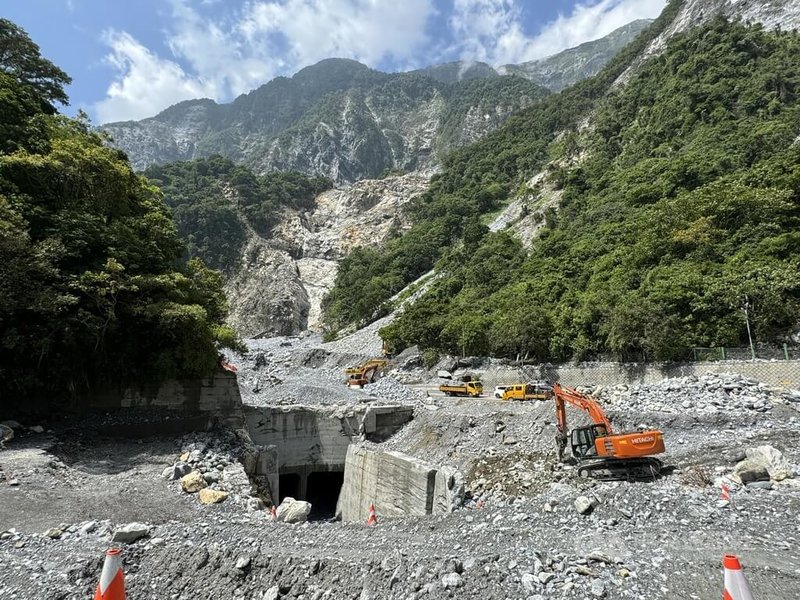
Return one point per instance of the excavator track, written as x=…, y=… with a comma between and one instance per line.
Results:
x=632, y=469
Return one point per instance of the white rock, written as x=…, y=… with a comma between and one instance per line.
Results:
x=130, y=533
x=293, y=511
x=452, y=580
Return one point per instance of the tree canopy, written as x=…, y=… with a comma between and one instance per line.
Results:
x=92, y=286
x=20, y=58
x=679, y=200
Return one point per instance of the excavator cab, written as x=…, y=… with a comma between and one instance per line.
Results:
x=583, y=440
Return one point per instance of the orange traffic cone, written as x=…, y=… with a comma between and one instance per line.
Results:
x=736, y=586
x=112, y=581
x=372, y=520
x=273, y=513
x=726, y=492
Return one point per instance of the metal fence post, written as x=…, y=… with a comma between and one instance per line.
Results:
x=723, y=352
x=694, y=353
x=785, y=351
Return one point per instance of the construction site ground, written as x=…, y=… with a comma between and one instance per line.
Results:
x=518, y=534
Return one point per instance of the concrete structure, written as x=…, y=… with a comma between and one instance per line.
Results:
x=172, y=406
x=398, y=485
x=307, y=446
x=782, y=373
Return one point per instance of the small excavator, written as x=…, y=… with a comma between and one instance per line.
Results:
x=358, y=377
x=601, y=453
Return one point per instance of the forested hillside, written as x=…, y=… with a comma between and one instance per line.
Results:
x=680, y=204
x=92, y=289
x=213, y=201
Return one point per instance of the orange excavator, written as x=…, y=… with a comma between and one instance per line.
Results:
x=600, y=452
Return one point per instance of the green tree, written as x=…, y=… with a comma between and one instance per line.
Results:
x=20, y=58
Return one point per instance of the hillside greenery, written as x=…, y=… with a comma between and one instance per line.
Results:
x=214, y=201
x=474, y=180
x=683, y=209
x=92, y=288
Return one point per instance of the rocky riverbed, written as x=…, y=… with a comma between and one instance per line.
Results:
x=529, y=528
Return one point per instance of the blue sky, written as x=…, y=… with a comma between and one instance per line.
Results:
x=131, y=59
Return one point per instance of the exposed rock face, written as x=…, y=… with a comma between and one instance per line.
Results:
x=279, y=283
x=570, y=66
x=770, y=13
x=344, y=120
x=337, y=118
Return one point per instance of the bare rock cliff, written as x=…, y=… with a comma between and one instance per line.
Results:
x=280, y=282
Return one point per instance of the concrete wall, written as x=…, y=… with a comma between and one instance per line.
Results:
x=307, y=439
x=784, y=373
x=398, y=485
x=194, y=404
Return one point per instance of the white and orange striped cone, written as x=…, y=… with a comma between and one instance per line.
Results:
x=736, y=586
x=273, y=512
x=372, y=520
x=112, y=581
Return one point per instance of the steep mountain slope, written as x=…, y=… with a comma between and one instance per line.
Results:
x=676, y=205
x=337, y=118
x=570, y=66
x=277, y=239
x=772, y=14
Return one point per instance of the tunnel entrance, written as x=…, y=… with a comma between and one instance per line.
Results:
x=322, y=490
x=289, y=486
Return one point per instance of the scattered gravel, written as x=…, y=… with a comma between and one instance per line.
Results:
x=530, y=527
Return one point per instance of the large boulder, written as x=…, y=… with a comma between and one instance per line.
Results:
x=584, y=505
x=130, y=533
x=193, y=482
x=772, y=460
x=293, y=511
x=176, y=471
x=209, y=496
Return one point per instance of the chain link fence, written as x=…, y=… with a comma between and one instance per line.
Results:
x=778, y=373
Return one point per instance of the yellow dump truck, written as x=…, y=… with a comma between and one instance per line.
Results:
x=462, y=388
x=537, y=390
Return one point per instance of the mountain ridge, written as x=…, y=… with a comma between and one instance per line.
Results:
x=343, y=120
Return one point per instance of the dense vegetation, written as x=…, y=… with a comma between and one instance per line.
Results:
x=213, y=201
x=685, y=208
x=475, y=180
x=91, y=286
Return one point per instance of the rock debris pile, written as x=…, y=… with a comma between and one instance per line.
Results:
x=711, y=393
x=209, y=467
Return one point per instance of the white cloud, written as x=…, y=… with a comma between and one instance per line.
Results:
x=231, y=53
x=224, y=57
x=365, y=30
x=493, y=32
x=147, y=83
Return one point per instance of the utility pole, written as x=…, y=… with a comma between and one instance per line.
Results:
x=746, y=310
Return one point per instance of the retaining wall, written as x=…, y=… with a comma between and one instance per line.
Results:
x=197, y=403
x=785, y=373
x=397, y=484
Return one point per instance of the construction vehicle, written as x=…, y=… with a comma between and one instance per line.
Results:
x=600, y=452
x=467, y=385
x=535, y=390
x=358, y=377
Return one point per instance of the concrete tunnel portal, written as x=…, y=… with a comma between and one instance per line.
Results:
x=304, y=449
